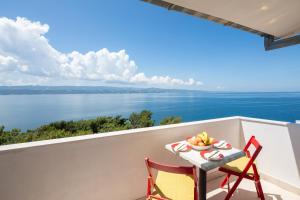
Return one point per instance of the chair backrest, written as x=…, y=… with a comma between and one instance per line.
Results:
x=252, y=142
x=171, y=169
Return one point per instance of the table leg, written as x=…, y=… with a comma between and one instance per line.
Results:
x=202, y=184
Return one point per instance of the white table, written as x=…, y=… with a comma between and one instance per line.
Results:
x=204, y=165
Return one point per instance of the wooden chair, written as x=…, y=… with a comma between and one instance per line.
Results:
x=244, y=168
x=171, y=182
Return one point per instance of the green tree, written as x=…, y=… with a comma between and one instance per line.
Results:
x=2, y=130
x=15, y=132
x=62, y=129
x=94, y=127
x=142, y=119
x=171, y=120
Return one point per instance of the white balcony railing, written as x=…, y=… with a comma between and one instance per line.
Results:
x=111, y=165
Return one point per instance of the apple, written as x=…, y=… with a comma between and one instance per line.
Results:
x=201, y=144
x=193, y=141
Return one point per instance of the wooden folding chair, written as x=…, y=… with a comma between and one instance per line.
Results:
x=244, y=168
x=171, y=182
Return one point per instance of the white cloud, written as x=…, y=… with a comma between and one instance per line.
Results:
x=141, y=78
x=26, y=57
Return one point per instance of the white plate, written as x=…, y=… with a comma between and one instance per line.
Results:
x=219, y=145
x=200, y=148
x=212, y=155
x=183, y=147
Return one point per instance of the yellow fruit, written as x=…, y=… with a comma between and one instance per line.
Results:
x=211, y=140
x=193, y=141
x=201, y=136
x=205, y=138
x=198, y=139
x=201, y=144
x=198, y=136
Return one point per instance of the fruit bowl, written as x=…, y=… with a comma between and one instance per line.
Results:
x=200, y=148
x=200, y=142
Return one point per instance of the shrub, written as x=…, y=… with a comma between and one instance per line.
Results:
x=142, y=119
x=62, y=129
x=171, y=120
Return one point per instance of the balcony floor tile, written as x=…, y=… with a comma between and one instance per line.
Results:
x=246, y=191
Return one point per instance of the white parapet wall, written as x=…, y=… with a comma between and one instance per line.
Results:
x=279, y=160
x=111, y=165
x=101, y=166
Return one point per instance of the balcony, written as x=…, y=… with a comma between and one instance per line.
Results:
x=111, y=165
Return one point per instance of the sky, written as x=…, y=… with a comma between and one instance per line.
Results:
x=136, y=44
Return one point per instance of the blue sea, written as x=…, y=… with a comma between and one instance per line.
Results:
x=30, y=111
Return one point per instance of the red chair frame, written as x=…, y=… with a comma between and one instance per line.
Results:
x=171, y=169
x=243, y=174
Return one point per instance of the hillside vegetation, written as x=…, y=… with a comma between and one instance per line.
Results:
x=61, y=129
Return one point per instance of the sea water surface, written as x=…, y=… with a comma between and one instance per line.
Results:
x=30, y=111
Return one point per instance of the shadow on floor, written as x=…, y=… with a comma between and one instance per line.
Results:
x=241, y=194
x=216, y=193
x=245, y=195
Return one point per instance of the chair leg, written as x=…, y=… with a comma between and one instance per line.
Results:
x=228, y=185
x=256, y=187
x=262, y=196
x=231, y=191
x=226, y=180
x=148, y=187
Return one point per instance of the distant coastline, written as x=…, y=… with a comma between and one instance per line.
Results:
x=35, y=90
x=19, y=90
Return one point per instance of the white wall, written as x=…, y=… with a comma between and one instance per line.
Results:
x=103, y=166
x=111, y=165
x=280, y=156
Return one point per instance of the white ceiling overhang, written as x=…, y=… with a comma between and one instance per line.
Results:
x=276, y=19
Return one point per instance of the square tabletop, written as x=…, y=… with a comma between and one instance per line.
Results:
x=194, y=157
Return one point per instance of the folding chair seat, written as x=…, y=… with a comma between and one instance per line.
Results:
x=171, y=182
x=244, y=167
x=239, y=165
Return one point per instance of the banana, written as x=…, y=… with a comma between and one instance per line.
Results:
x=205, y=138
x=199, y=136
